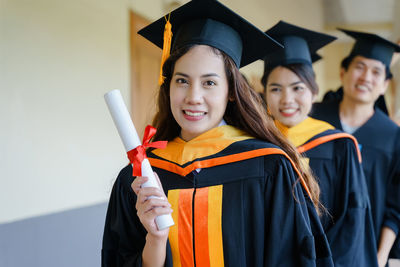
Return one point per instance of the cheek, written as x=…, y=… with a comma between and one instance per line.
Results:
x=273, y=103
x=175, y=95
x=349, y=76
x=306, y=101
x=218, y=100
x=174, y=99
x=380, y=82
x=355, y=75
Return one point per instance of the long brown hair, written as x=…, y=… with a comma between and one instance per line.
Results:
x=244, y=110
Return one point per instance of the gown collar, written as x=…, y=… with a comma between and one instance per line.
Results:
x=304, y=131
x=206, y=144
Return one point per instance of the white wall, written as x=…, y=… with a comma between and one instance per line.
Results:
x=58, y=146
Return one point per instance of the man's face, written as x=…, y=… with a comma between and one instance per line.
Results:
x=365, y=80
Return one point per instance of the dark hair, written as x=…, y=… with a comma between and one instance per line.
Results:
x=347, y=61
x=244, y=111
x=304, y=71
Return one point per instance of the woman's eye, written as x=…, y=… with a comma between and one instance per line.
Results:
x=274, y=89
x=210, y=83
x=181, y=80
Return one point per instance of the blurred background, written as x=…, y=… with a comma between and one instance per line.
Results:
x=59, y=150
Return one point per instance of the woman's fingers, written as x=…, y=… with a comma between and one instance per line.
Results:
x=148, y=220
x=150, y=203
x=151, y=212
x=145, y=193
x=137, y=183
x=150, y=197
x=150, y=209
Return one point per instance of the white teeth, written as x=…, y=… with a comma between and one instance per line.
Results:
x=194, y=114
x=362, y=87
x=289, y=110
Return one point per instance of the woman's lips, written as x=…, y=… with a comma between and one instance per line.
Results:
x=194, y=115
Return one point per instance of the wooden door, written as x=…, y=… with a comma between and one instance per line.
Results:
x=145, y=67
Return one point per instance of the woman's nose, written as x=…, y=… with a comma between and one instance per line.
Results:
x=287, y=96
x=194, y=94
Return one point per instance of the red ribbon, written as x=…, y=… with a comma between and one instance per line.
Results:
x=138, y=154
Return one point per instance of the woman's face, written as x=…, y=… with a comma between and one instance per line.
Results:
x=198, y=91
x=288, y=98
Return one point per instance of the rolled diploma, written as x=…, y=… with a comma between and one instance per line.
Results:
x=130, y=139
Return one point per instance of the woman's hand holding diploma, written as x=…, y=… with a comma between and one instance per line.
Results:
x=150, y=207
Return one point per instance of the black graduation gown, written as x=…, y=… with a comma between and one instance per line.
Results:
x=244, y=208
x=333, y=158
x=379, y=142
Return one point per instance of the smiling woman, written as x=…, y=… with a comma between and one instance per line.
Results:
x=235, y=187
x=333, y=156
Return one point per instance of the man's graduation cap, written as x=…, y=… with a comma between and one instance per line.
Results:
x=372, y=46
x=208, y=22
x=300, y=44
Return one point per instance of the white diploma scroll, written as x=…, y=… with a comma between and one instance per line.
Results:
x=130, y=139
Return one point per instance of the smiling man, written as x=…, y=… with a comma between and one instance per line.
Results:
x=365, y=77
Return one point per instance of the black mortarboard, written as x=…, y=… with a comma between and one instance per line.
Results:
x=372, y=46
x=300, y=44
x=211, y=23
x=315, y=57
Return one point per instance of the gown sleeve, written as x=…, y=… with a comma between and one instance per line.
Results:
x=124, y=235
x=395, y=253
x=294, y=235
x=350, y=235
x=392, y=212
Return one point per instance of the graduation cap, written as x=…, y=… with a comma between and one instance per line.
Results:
x=372, y=46
x=208, y=22
x=300, y=44
x=315, y=57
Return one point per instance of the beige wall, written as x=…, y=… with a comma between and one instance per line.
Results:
x=396, y=67
x=334, y=53
x=58, y=147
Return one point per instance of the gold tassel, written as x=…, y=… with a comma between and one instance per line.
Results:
x=166, y=47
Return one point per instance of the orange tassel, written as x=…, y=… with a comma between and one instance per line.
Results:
x=166, y=47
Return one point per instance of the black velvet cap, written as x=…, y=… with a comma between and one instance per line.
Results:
x=372, y=46
x=300, y=44
x=315, y=57
x=209, y=22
